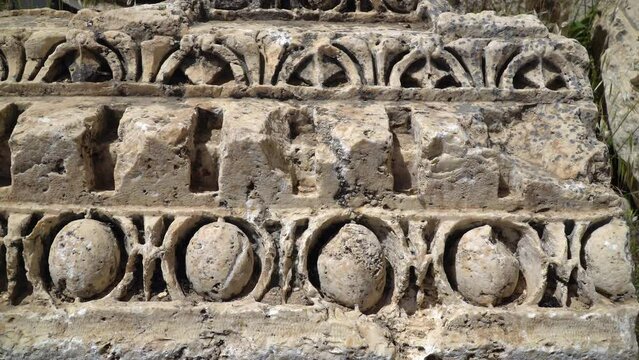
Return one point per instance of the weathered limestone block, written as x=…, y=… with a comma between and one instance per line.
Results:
x=617, y=41
x=152, y=152
x=253, y=163
x=361, y=144
x=315, y=179
x=48, y=151
x=576, y=155
x=455, y=161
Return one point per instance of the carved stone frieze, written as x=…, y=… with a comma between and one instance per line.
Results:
x=365, y=180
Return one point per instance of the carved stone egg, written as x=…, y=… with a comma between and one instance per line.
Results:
x=352, y=268
x=486, y=271
x=84, y=259
x=219, y=261
x=608, y=261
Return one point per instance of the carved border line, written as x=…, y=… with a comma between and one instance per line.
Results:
x=287, y=92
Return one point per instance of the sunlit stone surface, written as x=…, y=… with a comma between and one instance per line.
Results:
x=304, y=180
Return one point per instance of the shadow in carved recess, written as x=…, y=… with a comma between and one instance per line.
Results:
x=4, y=281
x=205, y=163
x=206, y=68
x=303, y=138
x=562, y=287
x=80, y=65
x=427, y=72
x=404, y=147
x=539, y=73
x=13, y=273
x=103, y=133
x=8, y=120
x=4, y=269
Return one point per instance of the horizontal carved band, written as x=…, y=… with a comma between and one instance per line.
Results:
x=409, y=261
x=205, y=152
x=435, y=334
x=297, y=56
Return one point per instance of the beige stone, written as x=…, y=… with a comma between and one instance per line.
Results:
x=607, y=259
x=219, y=261
x=485, y=270
x=616, y=44
x=84, y=259
x=351, y=268
x=313, y=179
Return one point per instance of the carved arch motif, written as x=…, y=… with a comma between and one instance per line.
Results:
x=88, y=57
x=202, y=60
x=428, y=65
x=324, y=65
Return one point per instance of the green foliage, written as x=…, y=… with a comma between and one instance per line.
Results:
x=581, y=29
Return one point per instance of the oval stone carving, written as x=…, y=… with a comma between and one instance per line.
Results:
x=219, y=261
x=84, y=258
x=485, y=270
x=608, y=260
x=352, y=268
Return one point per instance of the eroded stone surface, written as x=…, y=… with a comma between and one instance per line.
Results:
x=351, y=267
x=315, y=179
x=607, y=258
x=617, y=41
x=219, y=261
x=84, y=259
x=493, y=278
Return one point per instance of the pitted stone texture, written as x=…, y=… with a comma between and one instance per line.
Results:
x=351, y=155
x=253, y=154
x=219, y=261
x=617, y=38
x=352, y=268
x=607, y=259
x=84, y=259
x=140, y=22
x=456, y=162
x=361, y=141
x=576, y=155
x=153, y=152
x=47, y=151
x=303, y=60
x=304, y=154
x=486, y=272
x=487, y=25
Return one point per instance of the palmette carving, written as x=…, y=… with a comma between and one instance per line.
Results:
x=281, y=56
